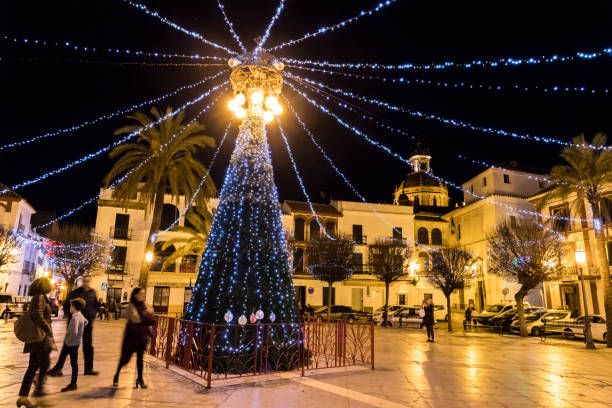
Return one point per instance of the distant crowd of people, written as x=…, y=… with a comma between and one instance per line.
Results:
x=81, y=308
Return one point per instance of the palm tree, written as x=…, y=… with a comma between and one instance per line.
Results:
x=160, y=162
x=587, y=172
x=192, y=241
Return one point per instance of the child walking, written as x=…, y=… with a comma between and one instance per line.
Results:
x=72, y=341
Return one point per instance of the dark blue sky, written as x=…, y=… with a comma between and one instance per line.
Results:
x=43, y=91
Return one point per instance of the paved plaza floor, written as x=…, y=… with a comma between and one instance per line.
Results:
x=477, y=370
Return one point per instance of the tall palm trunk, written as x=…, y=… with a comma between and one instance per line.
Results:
x=386, y=309
x=448, y=313
x=158, y=208
x=520, y=307
x=602, y=261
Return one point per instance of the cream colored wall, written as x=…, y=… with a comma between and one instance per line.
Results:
x=521, y=183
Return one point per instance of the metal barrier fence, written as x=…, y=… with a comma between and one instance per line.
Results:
x=220, y=351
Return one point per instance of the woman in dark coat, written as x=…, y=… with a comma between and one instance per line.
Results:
x=40, y=312
x=141, y=319
x=429, y=320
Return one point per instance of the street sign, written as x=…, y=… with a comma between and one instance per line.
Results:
x=104, y=287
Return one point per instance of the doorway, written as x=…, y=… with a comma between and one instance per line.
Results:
x=300, y=295
x=570, y=298
x=357, y=299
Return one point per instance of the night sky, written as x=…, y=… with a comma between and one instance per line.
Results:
x=44, y=89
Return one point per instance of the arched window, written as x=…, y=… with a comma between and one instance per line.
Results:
x=169, y=214
x=330, y=228
x=298, y=228
x=423, y=236
x=436, y=237
x=315, y=230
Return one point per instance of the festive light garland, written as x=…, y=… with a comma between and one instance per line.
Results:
x=459, y=123
x=197, y=191
x=112, y=51
x=231, y=27
x=115, y=63
x=301, y=182
x=401, y=158
x=261, y=43
x=122, y=178
x=455, y=84
x=109, y=115
x=176, y=26
x=116, y=143
x=485, y=63
x=325, y=29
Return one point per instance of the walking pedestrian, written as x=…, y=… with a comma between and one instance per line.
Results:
x=429, y=320
x=88, y=294
x=72, y=340
x=468, y=317
x=141, y=319
x=40, y=314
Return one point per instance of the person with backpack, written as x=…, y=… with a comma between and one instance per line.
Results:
x=34, y=328
x=429, y=320
x=72, y=341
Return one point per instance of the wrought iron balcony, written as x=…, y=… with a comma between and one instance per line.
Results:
x=120, y=233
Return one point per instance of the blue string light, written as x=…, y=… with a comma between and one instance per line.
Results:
x=484, y=63
x=231, y=27
x=459, y=123
x=264, y=38
x=116, y=143
x=112, y=51
x=341, y=24
x=553, y=89
x=176, y=26
x=108, y=115
x=401, y=158
x=125, y=176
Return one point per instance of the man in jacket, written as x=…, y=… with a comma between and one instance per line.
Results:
x=87, y=293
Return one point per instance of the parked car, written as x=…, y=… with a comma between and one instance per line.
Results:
x=506, y=318
x=12, y=305
x=408, y=316
x=598, y=329
x=342, y=313
x=496, y=309
x=535, y=321
x=392, y=309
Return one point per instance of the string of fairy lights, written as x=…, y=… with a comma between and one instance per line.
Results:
x=230, y=26
x=264, y=38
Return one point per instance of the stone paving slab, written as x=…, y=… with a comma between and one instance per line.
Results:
x=474, y=370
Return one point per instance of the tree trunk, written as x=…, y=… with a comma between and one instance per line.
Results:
x=386, y=309
x=158, y=207
x=449, y=313
x=69, y=286
x=519, y=296
x=602, y=262
x=329, y=300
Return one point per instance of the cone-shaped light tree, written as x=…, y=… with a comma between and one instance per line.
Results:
x=244, y=274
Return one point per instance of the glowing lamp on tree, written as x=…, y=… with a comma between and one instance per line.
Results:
x=14, y=252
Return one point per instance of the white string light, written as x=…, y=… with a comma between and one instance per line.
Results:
x=106, y=50
x=263, y=40
x=197, y=191
x=401, y=158
x=122, y=178
x=297, y=174
x=459, y=123
x=341, y=24
x=231, y=27
x=108, y=115
x=116, y=143
x=456, y=84
x=176, y=26
x=493, y=63
x=113, y=63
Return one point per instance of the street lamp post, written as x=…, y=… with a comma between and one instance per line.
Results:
x=588, y=337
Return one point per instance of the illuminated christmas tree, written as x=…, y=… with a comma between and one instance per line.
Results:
x=244, y=274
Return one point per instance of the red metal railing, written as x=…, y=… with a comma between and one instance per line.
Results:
x=216, y=351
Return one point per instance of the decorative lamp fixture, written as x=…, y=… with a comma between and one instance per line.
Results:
x=149, y=257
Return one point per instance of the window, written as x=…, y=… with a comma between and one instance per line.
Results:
x=541, y=184
x=358, y=262
x=401, y=299
x=330, y=228
x=122, y=222
x=436, y=237
x=187, y=295
x=118, y=258
x=326, y=296
x=298, y=226
x=397, y=233
x=298, y=260
x=561, y=223
x=358, y=234
x=19, y=292
x=512, y=221
x=161, y=299
x=169, y=214
x=484, y=182
x=427, y=296
x=506, y=178
x=423, y=236
x=609, y=245
x=458, y=231
x=315, y=230
x=472, y=188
